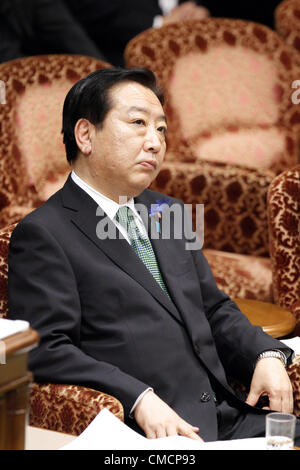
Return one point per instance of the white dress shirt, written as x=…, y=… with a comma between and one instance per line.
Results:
x=166, y=7
x=111, y=207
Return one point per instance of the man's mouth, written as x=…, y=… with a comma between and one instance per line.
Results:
x=151, y=164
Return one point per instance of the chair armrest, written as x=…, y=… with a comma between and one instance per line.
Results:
x=284, y=225
x=234, y=198
x=68, y=408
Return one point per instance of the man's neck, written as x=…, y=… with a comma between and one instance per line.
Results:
x=90, y=184
x=90, y=188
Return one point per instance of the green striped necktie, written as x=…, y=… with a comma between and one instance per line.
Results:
x=141, y=245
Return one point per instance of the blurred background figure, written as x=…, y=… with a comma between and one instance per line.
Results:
x=112, y=23
x=260, y=11
x=32, y=27
x=102, y=28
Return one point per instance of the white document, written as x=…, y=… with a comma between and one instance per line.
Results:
x=293, y=343
x=11, y=327
x=107, y=432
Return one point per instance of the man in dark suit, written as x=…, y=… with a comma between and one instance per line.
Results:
x=127, y=310
x=33, y=27
x=111, y=24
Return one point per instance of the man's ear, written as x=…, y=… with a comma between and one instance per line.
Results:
x=82, y=132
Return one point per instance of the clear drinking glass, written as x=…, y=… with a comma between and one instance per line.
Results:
x=280, y=431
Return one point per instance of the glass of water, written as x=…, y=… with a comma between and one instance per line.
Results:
x=280, y=431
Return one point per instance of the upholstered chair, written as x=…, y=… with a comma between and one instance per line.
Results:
x=70, y=408
x=284, y=228
x=232, y=127
x=287, y=24
x=59, y=407
x=32, y=157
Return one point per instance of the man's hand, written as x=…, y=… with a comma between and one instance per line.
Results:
x=157, y=419
x=270, y=378
x=186, y=11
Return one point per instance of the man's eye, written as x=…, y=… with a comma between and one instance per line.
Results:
x=163, y=130
x=139, y=122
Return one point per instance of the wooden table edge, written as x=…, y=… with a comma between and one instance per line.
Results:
x=20, y=341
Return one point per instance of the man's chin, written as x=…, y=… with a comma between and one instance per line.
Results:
x=142, y=184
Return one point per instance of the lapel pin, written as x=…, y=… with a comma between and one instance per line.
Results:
x=156, y=211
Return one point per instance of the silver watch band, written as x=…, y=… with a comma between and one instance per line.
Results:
x=274, y=353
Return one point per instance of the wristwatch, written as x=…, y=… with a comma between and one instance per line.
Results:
x=273, y=353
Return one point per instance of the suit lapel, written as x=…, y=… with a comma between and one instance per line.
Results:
x=83, y=212
x=166, y=257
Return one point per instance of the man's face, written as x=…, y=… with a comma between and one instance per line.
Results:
x=127, y=152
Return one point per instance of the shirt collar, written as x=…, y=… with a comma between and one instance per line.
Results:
x=109, y=206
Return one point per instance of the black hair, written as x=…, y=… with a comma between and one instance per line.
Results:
x=89, y=99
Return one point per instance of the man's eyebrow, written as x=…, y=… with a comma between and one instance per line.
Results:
x=145, y=111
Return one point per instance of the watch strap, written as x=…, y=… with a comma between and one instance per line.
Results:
x=273, y=353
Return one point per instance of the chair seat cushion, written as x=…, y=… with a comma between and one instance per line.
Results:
x=241, y=276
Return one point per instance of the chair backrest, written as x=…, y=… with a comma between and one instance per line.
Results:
x=284, y=235
x=5, y=235
x=287, y=23
x=32, y=157
x=228, y=87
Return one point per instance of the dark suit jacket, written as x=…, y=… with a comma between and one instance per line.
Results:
x=32, y=27
x=105, y=322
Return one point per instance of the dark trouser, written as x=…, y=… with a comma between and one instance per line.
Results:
x=234, y=424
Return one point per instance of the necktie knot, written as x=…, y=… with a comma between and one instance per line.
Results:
x=125, y=218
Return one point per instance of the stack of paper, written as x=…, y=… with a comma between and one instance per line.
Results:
x=11, y=327
x=106, y=432
x=293, y=343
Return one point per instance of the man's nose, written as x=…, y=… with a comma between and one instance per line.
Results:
x=152, y=142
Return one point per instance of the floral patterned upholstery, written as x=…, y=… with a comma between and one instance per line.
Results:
x=231, y=128
x=287, y=23
x=230, y=194
x=32, y=156
x=240, y=276
x=227, y=85
x=68, y=408
x=284, y=227
x=58, y=407
x=234, y=201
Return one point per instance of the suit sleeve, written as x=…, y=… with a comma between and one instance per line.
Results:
x=42, y=289
x=238, y=342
